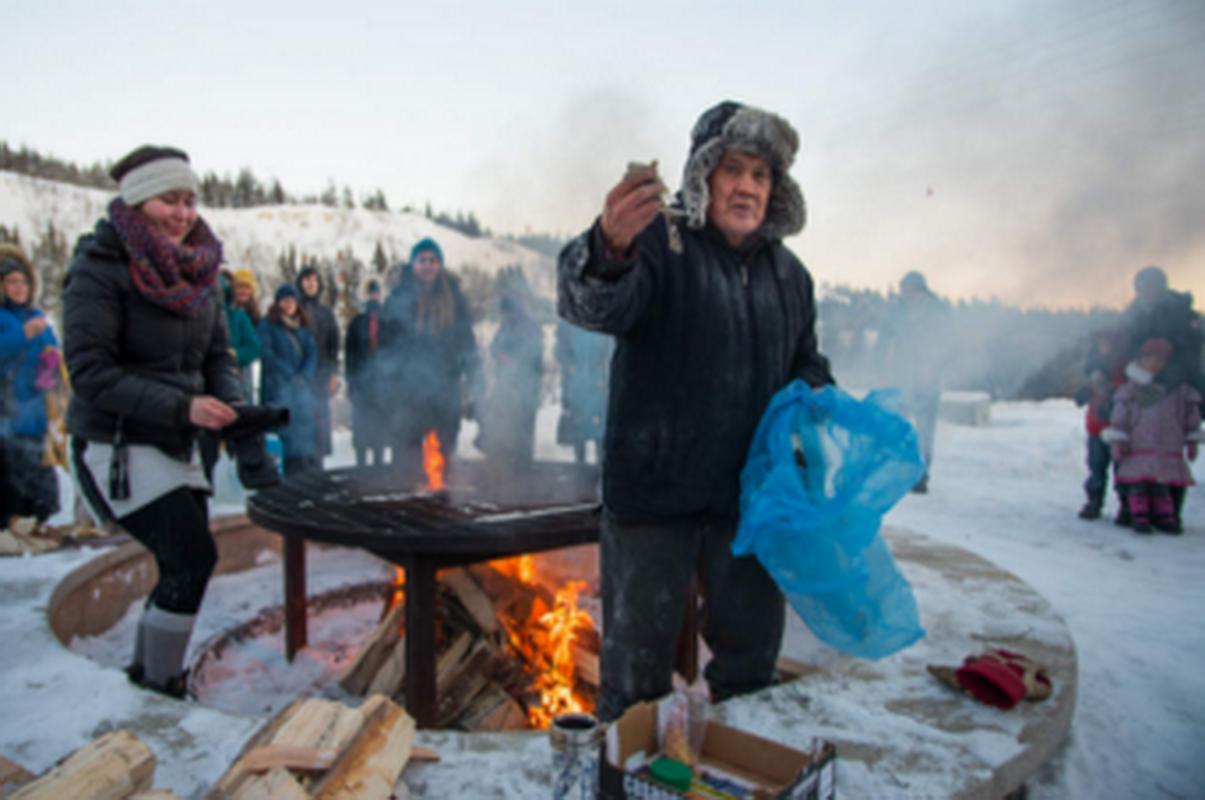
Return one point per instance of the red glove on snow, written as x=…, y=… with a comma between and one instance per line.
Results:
x=1002, y=678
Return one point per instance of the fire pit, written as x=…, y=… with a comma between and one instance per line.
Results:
x=480, y=516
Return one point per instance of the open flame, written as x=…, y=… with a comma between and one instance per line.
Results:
x=399, y=588
x=557, y=675
x=546, y=640
x=433, y=463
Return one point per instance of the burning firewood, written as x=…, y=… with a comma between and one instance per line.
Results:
x=113, y=767
x=391, y=676
x=471, y=596
x=494, y=709
x=466, y=681
x=511, y=652
x=587, y=665
x=358, y=674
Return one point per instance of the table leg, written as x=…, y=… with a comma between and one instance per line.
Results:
x=295, y=596
x=420, y=640
x=686, y=656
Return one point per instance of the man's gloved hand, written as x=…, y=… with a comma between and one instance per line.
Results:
x=1120, y=450
x=1192, y=450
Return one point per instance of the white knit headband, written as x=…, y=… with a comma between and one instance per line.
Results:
x=156, y=177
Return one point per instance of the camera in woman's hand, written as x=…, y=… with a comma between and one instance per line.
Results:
x=245, y=441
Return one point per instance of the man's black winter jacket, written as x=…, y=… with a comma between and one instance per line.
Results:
x=705, y=335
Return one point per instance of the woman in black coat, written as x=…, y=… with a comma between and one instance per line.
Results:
x=148, y=353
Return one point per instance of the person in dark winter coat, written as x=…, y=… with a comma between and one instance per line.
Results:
x=508, y=417
x=289, y=359
x=1150, y=431
x=712, y=316
x=1159, y=312
x=584, y=358
x=366, y=381
x=29, y=365
x=432, y=360
x=147, y=348
x=1105, y=368
x=911, y=352
x=326, y=338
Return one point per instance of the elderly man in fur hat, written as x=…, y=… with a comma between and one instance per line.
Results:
x=712, y=315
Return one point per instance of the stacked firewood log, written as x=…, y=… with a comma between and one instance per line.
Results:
x=117, y=766
x=324, y=750
x=483, y=675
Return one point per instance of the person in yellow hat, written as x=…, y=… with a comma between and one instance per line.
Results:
x=246, y=294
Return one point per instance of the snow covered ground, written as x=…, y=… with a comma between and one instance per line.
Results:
x=1010, y=493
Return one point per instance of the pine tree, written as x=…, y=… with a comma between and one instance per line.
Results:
x=379, y=262
x=330, y=195
x=50, y=256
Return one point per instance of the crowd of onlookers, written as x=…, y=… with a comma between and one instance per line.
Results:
x=407, y=363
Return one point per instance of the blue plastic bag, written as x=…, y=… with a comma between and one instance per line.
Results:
x=822, y=471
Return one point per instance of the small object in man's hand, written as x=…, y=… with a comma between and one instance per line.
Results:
x=663, y=190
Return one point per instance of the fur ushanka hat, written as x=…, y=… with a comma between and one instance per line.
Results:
x=732, y=126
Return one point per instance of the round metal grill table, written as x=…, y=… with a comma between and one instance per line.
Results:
x=379, y=511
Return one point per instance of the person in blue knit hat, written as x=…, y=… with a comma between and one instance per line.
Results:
x=430, y=358
x=289, y=358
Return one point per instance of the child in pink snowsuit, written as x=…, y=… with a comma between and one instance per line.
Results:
x=1150, y=431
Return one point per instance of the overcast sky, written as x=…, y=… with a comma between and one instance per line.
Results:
x=1041, y=151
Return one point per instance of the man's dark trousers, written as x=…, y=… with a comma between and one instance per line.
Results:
x=645, y=572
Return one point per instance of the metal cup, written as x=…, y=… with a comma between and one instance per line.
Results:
x=575, y=740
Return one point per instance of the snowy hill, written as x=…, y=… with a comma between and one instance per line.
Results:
x=254, y=238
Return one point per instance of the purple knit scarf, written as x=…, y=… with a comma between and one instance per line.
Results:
x=178, y=277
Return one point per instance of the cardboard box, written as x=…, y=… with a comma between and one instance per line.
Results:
x=786, y=773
